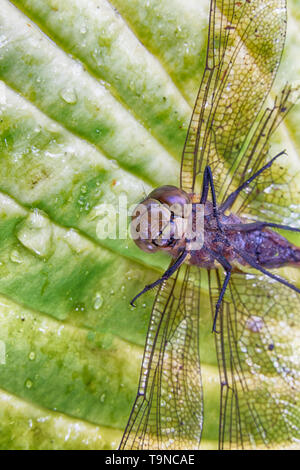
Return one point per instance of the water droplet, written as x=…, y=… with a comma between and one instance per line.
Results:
x=133, y=274
x=16, y=257
x=31, y=356
x=98, y=301
x=68, y=95
x=98, y=192
x=79, y=307
x=28, y=383
x=74, y=241
x=35, y=233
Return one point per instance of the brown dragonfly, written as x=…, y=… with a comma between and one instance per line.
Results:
x=227, y=168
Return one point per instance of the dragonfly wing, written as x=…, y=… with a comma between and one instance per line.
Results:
x=167, y=413
x=259, y=360
x=274, y=196
x=245, y=45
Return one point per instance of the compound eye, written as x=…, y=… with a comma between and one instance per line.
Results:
x=148, y=220
x=178, y=200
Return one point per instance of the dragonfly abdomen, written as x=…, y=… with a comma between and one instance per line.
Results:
x=270, y=249
x=266, y=247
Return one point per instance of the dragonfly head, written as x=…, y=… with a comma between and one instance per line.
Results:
x=159, y=221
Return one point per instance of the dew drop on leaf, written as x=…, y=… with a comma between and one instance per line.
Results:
x=31, y=356
x=98, y=301
x=35, y=233
x=28, y=383
x=16, y=257
x=79, y=307
x=68, y=95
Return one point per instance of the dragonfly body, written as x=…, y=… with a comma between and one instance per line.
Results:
x=220, y=235
x=258, y=319
x=270, y=249
x=167, y=221
x=267, y=247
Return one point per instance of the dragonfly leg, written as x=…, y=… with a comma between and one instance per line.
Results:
x=251, y=261
x=258, y=226
x=232, y=197
x=209, y=181
x=164, y=277
x=228, y=268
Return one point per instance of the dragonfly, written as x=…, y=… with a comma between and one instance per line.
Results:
x=227, y=168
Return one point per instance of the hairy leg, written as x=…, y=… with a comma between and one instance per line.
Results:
x=208, y=181
x=232, y=197
x=228, y=268
x=252, y=262
x=164, y=277
x=257, y=226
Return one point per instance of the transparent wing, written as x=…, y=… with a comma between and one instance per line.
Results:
x=275, y=195
x=259, y=360
x=167, y=413
x=245, y=45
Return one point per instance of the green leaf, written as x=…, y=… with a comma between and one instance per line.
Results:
x=95, y=100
